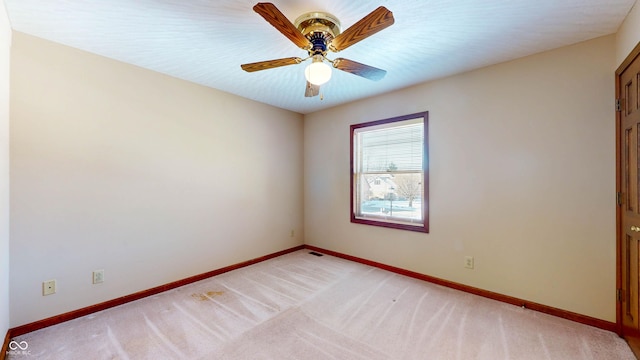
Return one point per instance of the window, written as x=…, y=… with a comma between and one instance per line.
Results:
x=389, y=173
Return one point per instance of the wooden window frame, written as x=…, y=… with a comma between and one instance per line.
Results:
x=387, y=223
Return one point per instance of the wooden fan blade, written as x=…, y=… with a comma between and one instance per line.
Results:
x=359, y=69
x=311, y=90
x=276, y=18
x=378, y=19
x=270, y=64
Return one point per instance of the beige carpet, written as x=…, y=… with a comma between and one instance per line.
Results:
x=300, y=306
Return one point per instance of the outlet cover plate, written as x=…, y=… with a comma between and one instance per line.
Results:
x=98, y=276
x=468, y=262
x=48, y=287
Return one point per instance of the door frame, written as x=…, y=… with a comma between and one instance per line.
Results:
x=635, y=53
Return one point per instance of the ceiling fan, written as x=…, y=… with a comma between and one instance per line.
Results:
x=318, y=33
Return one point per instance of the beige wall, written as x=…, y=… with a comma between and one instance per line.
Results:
x=148, y=177
x=5, y=45
x=628, y=34
x=522, y=177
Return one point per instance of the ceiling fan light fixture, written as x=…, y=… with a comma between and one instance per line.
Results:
x=317, y=72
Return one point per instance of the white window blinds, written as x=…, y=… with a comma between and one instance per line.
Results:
x=396, y=147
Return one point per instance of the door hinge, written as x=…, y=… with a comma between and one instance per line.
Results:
x=619, y=198
x=619, y=295
x=619, y=104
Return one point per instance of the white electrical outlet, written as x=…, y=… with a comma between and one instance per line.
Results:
x=48, y=287
x=468, y=262
x=292, y=234
x=98, y=276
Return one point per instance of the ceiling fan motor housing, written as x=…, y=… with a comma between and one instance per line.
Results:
x=320, y=28
x=319, y=42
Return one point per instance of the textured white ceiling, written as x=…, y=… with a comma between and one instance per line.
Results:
x=205, y=41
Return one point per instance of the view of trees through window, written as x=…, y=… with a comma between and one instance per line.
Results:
x=393, y=194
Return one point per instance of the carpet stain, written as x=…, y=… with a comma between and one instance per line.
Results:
x=207, y=296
